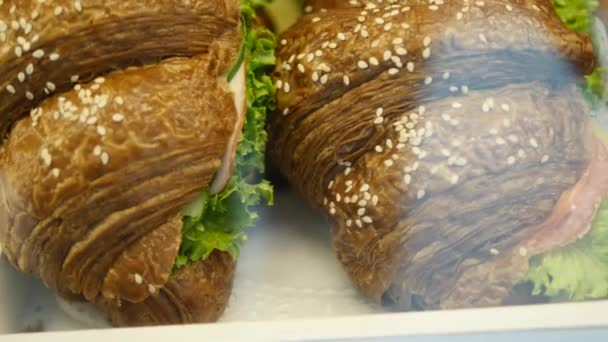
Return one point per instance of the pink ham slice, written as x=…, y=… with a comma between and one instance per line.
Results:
x=572, y=217
x=238, y=86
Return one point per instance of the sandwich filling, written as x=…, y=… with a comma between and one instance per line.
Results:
x=572, y=245
x=216, y=219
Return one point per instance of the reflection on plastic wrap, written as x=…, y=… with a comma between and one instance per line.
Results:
x=456, y=147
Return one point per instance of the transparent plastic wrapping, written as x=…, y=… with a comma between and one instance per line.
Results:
x=458, y=148
x=179, y=162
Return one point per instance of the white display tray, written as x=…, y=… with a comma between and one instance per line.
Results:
x=289, y=286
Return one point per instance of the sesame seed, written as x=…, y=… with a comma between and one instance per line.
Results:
x=456, y=105
x=421, y=194
x=428, y=80
x=349, y=223
x=426, y=53
x=286, y=87
x=533, y=142
x=397, y=41
x=54, y=56
x=373, y=61
x=358, y=223
x=544, y=159
x=433, y=7
x=341, y=36
x=118, y=117
x=407, y=179
x=58, y=10
x=29, y=95
x=388, y=163
x=332, y=211
x=55, y=172
x=10, y=89
x=105, y=158
x=346, y=80
x=362, y=65
x=509, y=8
x=18, y=51
x=324, y=79
x=379, y=111
x=138, y=278
x=74, y=78
x=521, y=153
x=426, y=41
x=483, y=38
x=101, y=130
x=459, y=16
x=387, y=55
x=505, y=107
x=454, y=179
x=393, y=71
x=464, y=89
x=410, y=66
x=511, y=160
x=361, y=211
x=50, y=86
x=315, y=77
x=523, y=251
x=374, y=200
x=401, y=51
x=119, y=100
x=97, y=150
x=494, y=251
x=453, y=89
x=38, y=54
x=446, y=75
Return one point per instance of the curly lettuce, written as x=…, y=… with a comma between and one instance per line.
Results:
x=576, y=14
x=217, y=221
x=580, y=270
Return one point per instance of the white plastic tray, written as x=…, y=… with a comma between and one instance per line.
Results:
x=289, y=286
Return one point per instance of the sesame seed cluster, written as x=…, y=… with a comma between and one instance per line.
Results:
x=433, y=134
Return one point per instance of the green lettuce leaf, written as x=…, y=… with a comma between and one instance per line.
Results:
x=578, y=16
x=217, y=222
x=580, y=270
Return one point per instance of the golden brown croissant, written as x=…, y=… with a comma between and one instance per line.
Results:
x=446, y=141
x=117, y=115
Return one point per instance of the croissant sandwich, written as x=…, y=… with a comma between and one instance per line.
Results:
x=450, y=144
x=133, y=149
